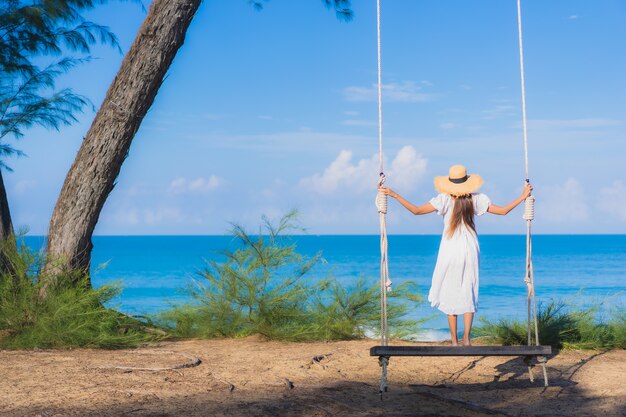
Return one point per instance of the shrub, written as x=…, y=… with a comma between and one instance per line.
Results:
x=354, y=312
x=70, y=316
x=262, y=288
x=617, y=328
x=562, y=326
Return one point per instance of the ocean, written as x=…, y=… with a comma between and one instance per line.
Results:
x=584, y=269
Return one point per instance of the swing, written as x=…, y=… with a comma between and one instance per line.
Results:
x=533, y=352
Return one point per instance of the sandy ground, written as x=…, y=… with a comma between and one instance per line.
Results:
x=256, y=378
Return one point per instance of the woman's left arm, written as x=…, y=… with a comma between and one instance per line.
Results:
x=503, y=210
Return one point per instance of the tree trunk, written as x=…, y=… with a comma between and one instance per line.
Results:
x=99, y=160
x=6, y=225
x=6, y=230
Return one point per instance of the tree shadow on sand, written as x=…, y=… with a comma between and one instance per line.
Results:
x=509, y=394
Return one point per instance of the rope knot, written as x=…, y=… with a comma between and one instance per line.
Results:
x=382, y=179
x=529, y=208
x=381, y=202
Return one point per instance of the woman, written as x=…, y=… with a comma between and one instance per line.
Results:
x=454, y=288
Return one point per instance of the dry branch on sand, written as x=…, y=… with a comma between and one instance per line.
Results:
x=194, y=361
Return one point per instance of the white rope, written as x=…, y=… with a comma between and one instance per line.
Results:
x=385, y=282
x=380, y=92
x=545, y=372
x=381, y=201
x=381, y=205
x=529, y=210
x=521, y=62
x=383, y=361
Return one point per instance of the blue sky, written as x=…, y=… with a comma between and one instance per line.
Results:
x=266, y=111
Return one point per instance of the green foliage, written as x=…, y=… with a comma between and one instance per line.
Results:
x=46, y=27
x=262, y=288
x=562, y=326
x=617, y=328
x=24, y=104
x=354, y=312
x=342, y=8
x=28, y=31
x=71, y=316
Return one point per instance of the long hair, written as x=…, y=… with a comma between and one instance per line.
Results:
x=463, y=212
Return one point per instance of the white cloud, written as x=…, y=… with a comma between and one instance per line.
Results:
x=613, y=200
x=200, y=184
x=342, y=173
x=407, y=91
x=167, y=120
x=178, y=185
x=447, y=125
x=497, y=111
x=22, y=186
x=573, y=17
x=573, y=123
x=127, y=217
x=299, y=141
x=563, y=203
x=162, y=215
x=134, y=216
x=406, y=170
x=137, y=189
x=359, y=122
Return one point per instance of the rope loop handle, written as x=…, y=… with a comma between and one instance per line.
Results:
x=381, y=197
x=381, y=202
x=529, y=208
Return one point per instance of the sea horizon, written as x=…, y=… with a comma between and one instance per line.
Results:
x=346, y=234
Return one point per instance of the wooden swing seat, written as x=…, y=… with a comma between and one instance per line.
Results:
x=460, y=351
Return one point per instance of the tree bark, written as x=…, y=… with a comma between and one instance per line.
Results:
x=99, y=160
x=6, y=230
x=6, y=225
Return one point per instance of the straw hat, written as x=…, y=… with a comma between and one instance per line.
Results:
x=457, y=182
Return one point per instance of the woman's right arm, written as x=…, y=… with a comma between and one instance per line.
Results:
x=423, y=209
x=503, y=210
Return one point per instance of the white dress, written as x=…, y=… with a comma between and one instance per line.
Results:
x=454, y=289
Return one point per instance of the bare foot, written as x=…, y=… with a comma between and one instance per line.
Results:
x=455, y=343
x=467, y=342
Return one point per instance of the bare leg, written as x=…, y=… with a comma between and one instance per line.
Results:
x=467, y=328
x=453, y=332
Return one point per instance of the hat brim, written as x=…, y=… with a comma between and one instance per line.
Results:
x=472, y=184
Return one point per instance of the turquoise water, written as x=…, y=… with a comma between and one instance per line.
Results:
x=153, y=269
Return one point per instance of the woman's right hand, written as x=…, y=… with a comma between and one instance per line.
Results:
x=388, y=191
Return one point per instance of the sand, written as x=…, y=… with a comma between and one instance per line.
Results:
x=252, y=377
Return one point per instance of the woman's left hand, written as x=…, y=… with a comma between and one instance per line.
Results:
x=528, y=188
